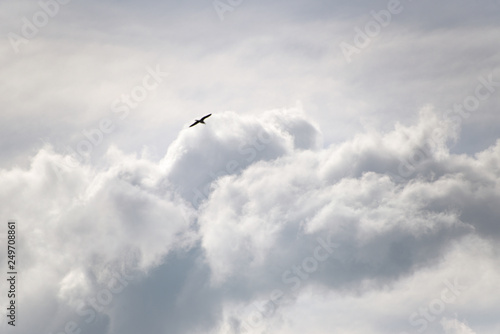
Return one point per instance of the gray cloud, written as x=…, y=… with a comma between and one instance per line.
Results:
x=353, y=214
x=290, y=216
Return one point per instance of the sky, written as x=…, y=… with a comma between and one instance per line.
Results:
x=347, y=181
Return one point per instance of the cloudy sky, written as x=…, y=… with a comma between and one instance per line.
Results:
x=346, y=182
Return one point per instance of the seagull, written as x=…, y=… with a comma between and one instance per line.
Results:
x=201, y=120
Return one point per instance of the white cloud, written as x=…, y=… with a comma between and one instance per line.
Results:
x=454, y=326
x=287, y=220
x=354, y=219
x=77, y=226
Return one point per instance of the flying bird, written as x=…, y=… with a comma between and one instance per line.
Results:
x=201, y=120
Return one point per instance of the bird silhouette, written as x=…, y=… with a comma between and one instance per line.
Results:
x=201, y=120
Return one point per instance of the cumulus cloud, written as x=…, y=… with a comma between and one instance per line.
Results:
x=245, y=211
x=388, y=224
x=78, y=225
x=197, y=158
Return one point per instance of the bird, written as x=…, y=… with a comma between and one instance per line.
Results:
x=201, y=120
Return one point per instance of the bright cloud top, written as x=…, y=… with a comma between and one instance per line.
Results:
x=251, y=209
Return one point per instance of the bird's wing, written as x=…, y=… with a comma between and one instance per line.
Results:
x=194, y=123
x=207, y=116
